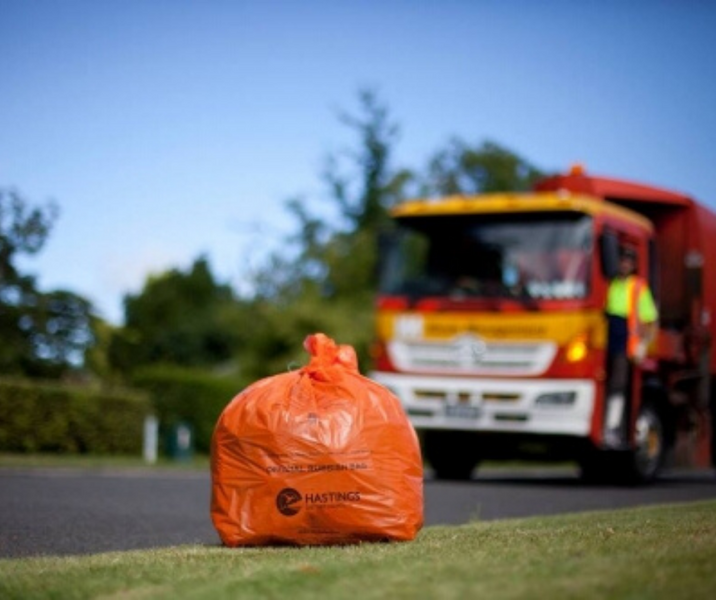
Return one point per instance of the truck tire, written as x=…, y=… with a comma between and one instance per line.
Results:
x=451, y=454
x=644, y=462
x=639, y=465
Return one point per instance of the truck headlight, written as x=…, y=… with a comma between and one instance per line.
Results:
x=556, y=399
x=577, y=349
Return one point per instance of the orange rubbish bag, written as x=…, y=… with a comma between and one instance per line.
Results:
x=321, y=455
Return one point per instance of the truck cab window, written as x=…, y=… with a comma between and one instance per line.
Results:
x=531, y=256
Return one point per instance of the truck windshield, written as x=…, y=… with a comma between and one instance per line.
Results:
x=529, y=256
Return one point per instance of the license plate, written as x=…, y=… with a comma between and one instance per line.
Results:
x=459, y=411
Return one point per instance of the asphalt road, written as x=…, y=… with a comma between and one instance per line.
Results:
x=73, y=511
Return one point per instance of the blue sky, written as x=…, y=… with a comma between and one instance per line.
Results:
x=169, y=128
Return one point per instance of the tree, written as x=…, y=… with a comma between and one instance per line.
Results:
x=489, y=167
x=371, y=186
x=181, y=318
x=43, y=334
x=362, y=185
x=328, y=282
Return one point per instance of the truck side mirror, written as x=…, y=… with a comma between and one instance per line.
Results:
x=654, y=274
x=694, y=263
x=609, y=252
x=387, y=242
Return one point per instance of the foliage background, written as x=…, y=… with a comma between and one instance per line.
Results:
x=189, y=341
x=49, y=417
x=188, y=396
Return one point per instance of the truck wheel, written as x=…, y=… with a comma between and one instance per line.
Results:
x=636, y=466
x=644, y=463
x=451, y=454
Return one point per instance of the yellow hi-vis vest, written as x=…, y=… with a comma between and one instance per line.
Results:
x=631, y=299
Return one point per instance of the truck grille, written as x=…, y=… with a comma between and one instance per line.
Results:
x=472, y=355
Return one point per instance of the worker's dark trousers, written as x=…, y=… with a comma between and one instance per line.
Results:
x=617, y=403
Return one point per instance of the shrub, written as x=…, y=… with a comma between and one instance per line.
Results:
x=186, y=395
x=42, y=417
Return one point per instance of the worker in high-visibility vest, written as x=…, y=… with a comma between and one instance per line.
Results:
x=632, y=317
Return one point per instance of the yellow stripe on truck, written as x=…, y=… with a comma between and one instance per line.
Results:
x=560, y=327
x=518, y=203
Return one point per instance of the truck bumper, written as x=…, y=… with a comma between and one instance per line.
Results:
x=527, y=406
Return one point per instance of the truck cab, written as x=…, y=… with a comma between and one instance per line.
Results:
x=491, y=328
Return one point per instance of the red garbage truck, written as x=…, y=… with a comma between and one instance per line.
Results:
x=491, y=327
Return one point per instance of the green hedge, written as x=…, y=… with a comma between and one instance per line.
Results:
x=189, y=396
x=44, y=417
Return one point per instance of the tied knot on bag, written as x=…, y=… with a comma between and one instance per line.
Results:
x=328, y=358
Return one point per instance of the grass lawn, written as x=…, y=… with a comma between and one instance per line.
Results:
x=656, y=552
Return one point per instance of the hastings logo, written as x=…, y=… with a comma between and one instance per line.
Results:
x=288, y=502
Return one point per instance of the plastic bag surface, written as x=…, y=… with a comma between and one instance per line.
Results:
x=321, y=455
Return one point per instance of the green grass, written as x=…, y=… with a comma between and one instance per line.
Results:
x=656, y=552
